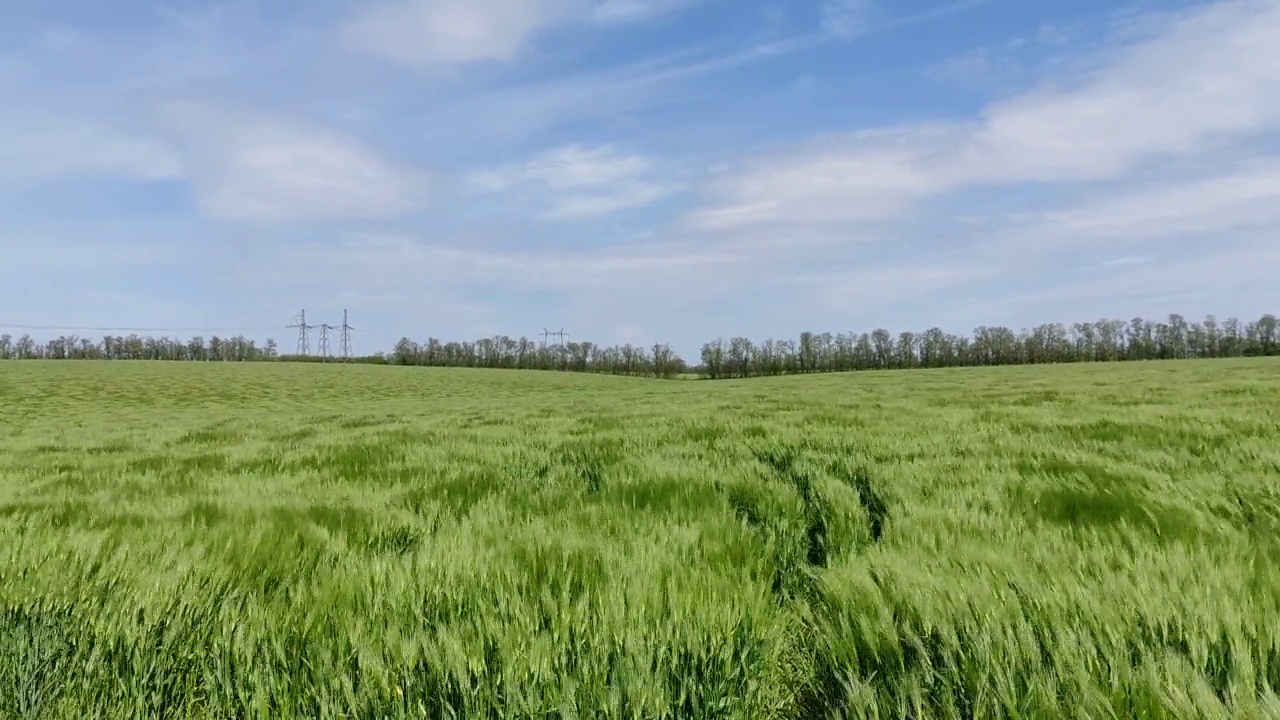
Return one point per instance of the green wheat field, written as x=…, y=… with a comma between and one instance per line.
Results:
x=201, y=540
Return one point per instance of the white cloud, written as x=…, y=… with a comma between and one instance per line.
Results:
x=1246, y=198
x=631, y=333
x=1231, y=276
x=388, y=261
x=607, y=94
x=62, y=38
x=87, y=247
x=1234, y=270
x=1146, y=246
x=473, y=292
x=1208, y=76
x=1127, y=261
x=1214, y=72
x=428, y=32
x=1180, y=90
x=628, y=196
x=881, y=285
x=611, y=93
x=43, y=147
x=848, y=18
x=425, y=33
x=1009, y=65
x=618, y=12
x=263, y=168
x=973, y=68
x=865, y=176
x=935, y=13
x=585, y=181
x=571, y=166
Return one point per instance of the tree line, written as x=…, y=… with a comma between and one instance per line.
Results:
x=1101, y=341
x=136, y=347
x=658, y=361
x=738, y=357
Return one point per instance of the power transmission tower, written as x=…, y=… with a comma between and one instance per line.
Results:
x=560, y=335
x=304, y=337
x=345, y=341
x=324, y=340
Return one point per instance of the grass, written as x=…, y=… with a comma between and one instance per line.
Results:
x=284, y=541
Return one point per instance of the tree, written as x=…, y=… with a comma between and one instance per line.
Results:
x=405, y=353
x=808, y=357
x=713, y=359
x=1101, y=340
x=25, y=348
x=1268, y=335
x=739, y=358
x=906, y=350
x=664, y=361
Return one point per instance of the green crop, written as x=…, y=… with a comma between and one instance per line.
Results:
x=287, y=541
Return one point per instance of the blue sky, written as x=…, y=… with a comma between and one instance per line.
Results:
x=636, y=170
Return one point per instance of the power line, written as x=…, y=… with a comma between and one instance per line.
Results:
x=324, y=340
x=560, y=335
x=345, y=342
x=91, y=328
x=304, y=339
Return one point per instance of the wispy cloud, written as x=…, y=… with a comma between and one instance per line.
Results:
x=596, y=292
x=82, y=248
x=256, y=167
x=427, y=33
x=888, y=283
x=1126, y=261
x=421, y=33
x=612, y=92
x=1211, y=75
x=1012, y=63
x=603, y=95
x=865, y=176
x=42, y=147
x=403, y=260
x=938, y=12
x=1241, y=199
x=617, y=12
x=569, y=167
x=848, y=18
x=578, y=181
x=1232, y=269
x=555, y=142
x=972, y=68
